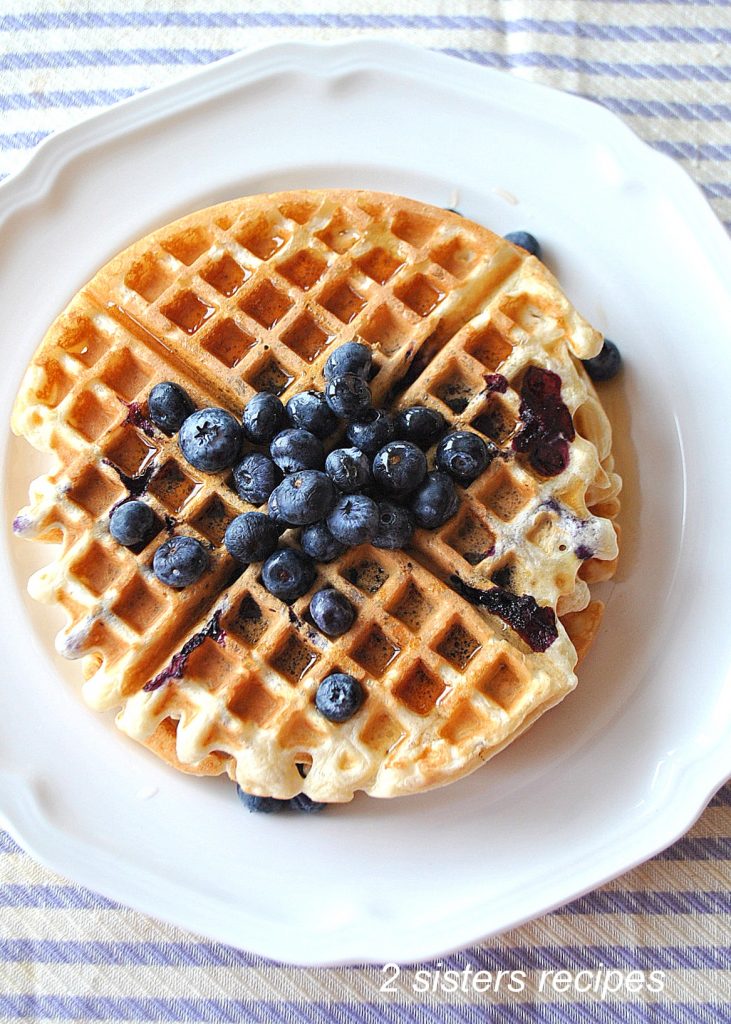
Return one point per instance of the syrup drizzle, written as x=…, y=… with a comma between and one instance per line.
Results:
x=212, y=630
x=533, y=623
x=136, y=485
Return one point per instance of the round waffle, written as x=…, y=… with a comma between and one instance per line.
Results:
x=253, y=295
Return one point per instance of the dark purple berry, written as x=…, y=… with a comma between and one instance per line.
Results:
x=395, y=526
x=210, y=439
x=169, y=405
x=399, y=467
x=180, y=561
x=348, y=395
x=332, y=612
x=420, y=425
x=371, y=431
x=288, y=574
x=352, y=357
x=305, y=497
x=310, y=411
x=526, y=241
x=263, y=418
x=606, y=365
x=132, y=523
x=339, y=696
x=251, y=537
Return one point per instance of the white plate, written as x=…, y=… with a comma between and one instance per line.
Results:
x=625, y=764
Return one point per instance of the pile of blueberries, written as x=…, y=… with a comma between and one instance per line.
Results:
x=375, y=491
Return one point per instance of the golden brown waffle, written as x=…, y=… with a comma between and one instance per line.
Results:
x=253, y=295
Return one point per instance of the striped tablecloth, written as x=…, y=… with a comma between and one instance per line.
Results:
x=67, y=954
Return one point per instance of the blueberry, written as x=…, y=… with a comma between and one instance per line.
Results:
x=332, y=612
x=399, y=467
x=395, y=526
x=435, y=501
x=526, y=241
x=371, y=431
x=261, y=804
x=348, y=468
x=180, y=561
x=255, y=477
x=354, y=519
x=348, y=396
x=310, y=411
x=288, y=574
x=210, y=439
x=297, y=449
x=251, y=537
x=263, y=418
x=132, y=523
x=464, y=455
x=305, y=804
x=606, y=365
x=169, y=405
x=305, y=497
x=339, y=696
x=352, y=357
x=420, y=425
x=317, y=542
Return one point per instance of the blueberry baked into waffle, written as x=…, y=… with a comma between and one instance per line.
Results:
x=329, y=485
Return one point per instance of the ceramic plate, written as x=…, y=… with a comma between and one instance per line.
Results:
x=627, y=762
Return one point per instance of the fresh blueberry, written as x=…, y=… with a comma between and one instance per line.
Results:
x=255, y=477
x=435, y=501
x=526, y=241
x=310, y=411
x=132, y=523
x=339, y=696
x=305, y=804
x=371, y=431
x=169, y=405
x=263, y=417
x=354, y=519
x=251, y=537
x=395, y=526
x=288, y=574
x=261, y=804
x=210, y=439
x=348, y=468
x=606, y=365
x=348, y=396
x=296, y=449
x=399, y=467
x=180, y=561
x=352, y=357
x=317, y=542
x=305, y=497
x=420, y=425
x=332, y=612
x=464, y=455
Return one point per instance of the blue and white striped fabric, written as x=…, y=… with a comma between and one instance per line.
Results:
x=663, y=66
x=69, y=955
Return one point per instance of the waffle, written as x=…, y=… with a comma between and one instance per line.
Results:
x=253, y=295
